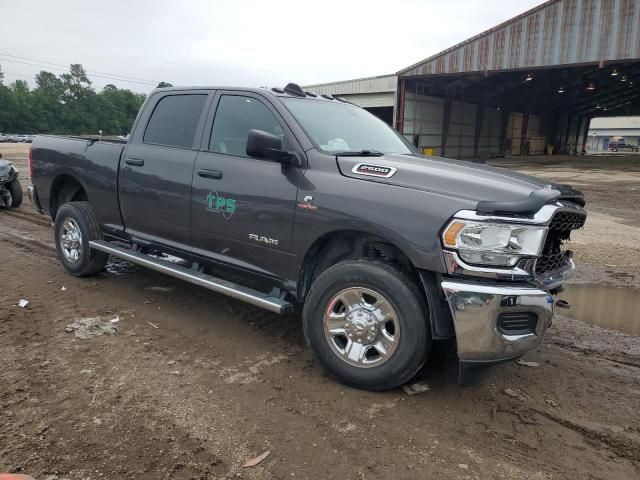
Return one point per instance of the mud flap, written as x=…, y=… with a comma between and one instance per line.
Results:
x=473, y=372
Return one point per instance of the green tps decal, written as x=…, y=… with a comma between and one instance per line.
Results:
x=219, y=204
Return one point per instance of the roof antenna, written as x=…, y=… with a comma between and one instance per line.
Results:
x=294, y=89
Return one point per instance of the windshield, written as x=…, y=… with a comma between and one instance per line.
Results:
x=336, y=127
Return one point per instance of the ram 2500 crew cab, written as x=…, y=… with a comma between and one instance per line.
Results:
x=283, y=198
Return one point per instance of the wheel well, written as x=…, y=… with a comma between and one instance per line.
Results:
x=348, y=244
x=65, y=189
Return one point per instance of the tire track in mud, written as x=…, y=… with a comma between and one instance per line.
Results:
x=35, y=218
x=626, y=360
x=32, y=244
x=622, y=445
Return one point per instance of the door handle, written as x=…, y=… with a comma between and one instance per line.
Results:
x=207, y=173
x=135, y=162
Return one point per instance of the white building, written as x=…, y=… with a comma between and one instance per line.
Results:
x=604, y=130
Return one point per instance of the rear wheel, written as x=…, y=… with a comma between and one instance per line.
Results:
x=75, y=227
x=367, y=324
x=15, y=189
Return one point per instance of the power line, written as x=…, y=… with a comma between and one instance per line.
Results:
x=17, y=75
x=88, y=74
x=66, y=67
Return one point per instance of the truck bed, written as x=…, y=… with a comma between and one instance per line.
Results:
x=93, y=162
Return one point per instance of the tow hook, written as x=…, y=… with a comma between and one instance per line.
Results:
x=560, y=303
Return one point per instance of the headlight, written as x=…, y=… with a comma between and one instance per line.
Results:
x=497, y=244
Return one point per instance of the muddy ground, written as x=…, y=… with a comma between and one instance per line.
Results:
x=219, y=382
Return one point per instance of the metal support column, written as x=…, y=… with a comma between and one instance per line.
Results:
x=564, y=141
x=400, y=115
x=523, y=133
x=585, y=134
x=480, y=108
x=504, y=124
x=446, y=118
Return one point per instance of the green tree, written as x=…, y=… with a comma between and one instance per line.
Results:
x=67, y=104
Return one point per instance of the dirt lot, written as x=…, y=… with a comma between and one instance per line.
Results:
x=219, y=382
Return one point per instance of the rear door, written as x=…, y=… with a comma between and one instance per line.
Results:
x=157, y=167
x=242, y=208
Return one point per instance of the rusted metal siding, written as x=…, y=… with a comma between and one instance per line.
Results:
x=558, y=32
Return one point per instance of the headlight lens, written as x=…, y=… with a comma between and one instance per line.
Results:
x=495, y=244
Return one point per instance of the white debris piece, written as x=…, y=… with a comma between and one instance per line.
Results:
x=91, y=327
x=63, y=288
x=159, y=289
x=417, y=387
x=527, y=364
x=23, y=303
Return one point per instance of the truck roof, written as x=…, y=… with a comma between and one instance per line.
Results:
x=290, y=90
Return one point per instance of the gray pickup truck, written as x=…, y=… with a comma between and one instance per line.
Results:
x=283, y=198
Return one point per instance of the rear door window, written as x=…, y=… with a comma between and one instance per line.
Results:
x=174, y=120
x=235, y=116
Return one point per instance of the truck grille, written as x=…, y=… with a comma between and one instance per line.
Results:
x=554, y=257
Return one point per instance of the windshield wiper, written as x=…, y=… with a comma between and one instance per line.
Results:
x=359, y=153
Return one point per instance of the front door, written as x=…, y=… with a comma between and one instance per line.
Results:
x=242, y=208
x=157, y=167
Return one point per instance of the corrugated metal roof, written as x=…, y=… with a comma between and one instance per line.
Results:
x=558, y=32
x=383, y=83
x=614, y=122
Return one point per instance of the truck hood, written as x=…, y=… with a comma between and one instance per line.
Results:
x=455, y=178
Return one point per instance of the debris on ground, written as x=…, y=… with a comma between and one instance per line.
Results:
x=92, y=327
x=464, y=466
x=552, y=403
x=23, y=303
x=159, y=289
x=63, y=288
x=255, y=461
x=514, y=394
x=171, y=362
x=153, y=325
x=528, y=364
x=417, y=387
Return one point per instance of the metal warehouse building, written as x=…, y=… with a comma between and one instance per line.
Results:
x=603, y=131
x=528, y=85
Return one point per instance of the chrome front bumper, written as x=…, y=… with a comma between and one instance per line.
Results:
x=476, y=308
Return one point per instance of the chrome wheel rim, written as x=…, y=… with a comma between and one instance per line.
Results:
x=71, y=240
x=361, y=327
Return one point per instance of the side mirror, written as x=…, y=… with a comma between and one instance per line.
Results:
x=265, y=145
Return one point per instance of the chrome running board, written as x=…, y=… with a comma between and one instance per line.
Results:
x=254, y=297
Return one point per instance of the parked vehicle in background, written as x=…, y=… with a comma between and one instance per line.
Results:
x=24, y=138
x=4, y=138
x=313, y=202
x=619, y=145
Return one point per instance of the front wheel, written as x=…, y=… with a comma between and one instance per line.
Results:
x=367, y=324
x=15, y=189
x=75, y=227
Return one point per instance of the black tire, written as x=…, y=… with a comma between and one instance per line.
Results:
x=412, y=315
x=90, y=261
x=15, y=189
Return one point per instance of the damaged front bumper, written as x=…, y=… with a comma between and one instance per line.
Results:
x=496, y=322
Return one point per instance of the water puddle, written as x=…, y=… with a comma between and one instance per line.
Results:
x=116, y=266
x=609, y=307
